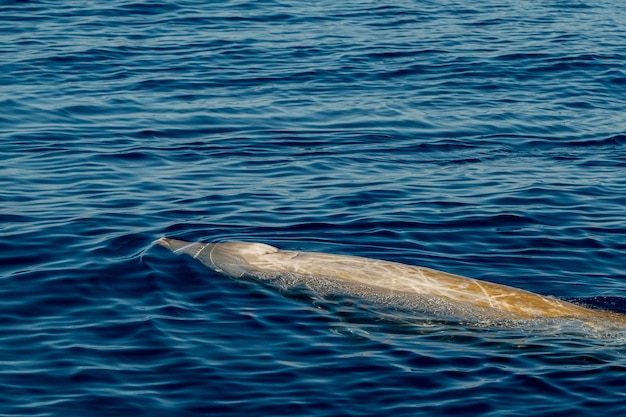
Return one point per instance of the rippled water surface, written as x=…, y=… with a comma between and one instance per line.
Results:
x=481, y=138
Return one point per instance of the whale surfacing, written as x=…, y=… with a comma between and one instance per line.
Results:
x=383, y=281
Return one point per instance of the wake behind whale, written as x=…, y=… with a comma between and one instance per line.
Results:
x=406, y=287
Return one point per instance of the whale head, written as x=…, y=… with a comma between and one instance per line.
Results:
x=235, y=259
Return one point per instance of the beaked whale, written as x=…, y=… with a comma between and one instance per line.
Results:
x=387, y=282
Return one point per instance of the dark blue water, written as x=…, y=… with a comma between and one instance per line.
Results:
x=481, y=138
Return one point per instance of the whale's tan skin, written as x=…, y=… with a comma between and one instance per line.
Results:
x=385, y=281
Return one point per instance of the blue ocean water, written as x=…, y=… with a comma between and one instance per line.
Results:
x=485, y=139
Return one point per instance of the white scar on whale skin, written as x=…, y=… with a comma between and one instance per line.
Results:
x=383, y=281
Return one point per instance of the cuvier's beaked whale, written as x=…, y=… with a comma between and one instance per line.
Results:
x=386, y=282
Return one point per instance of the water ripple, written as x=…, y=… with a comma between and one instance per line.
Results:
x=484, y=139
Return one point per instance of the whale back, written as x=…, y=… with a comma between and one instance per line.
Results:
x=383, y=281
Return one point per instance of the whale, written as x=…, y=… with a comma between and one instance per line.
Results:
x=405, y=287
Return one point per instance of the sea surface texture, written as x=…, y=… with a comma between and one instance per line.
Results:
x=483, y=138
